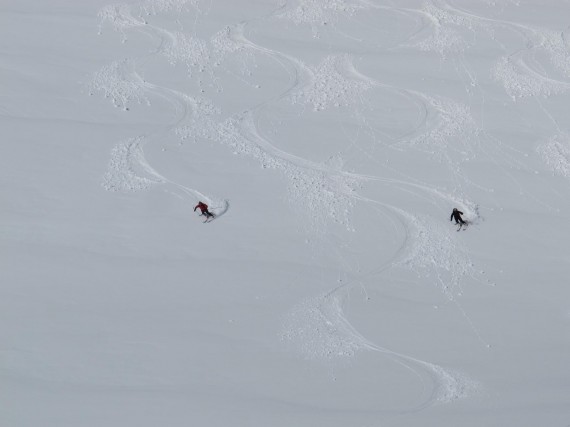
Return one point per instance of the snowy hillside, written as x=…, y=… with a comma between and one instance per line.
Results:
x=332, y=139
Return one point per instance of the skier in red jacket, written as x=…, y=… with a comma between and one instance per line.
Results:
x=204, y=209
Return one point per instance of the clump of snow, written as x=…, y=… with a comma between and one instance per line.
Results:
x=120, y=83
x=318, y=13
x=330, y=86
x=521, y=82
x=318, y=329
x=556, y=154
x=128, y=169
x=153, y=7
x=119, y=16
x=188, y=50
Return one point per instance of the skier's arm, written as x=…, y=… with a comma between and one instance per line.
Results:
x=451, y=217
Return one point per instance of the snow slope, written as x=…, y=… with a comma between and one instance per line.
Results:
x=332, y=138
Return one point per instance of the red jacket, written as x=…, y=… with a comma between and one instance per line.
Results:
x=203, y=207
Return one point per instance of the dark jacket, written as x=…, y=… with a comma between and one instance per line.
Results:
x=456, y=215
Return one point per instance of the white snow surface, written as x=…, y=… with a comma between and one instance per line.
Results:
x=332, y=138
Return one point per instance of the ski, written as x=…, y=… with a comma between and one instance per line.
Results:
x=209, y=219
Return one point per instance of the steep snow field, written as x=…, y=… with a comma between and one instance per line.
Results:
x=332, y=138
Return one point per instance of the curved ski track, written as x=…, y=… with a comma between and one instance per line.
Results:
x=318, y=326
x=128, y=169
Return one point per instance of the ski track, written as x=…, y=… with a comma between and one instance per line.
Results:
x=317, y=326
x=317, y=187
x=519, y=72
x=522, y=77
x=128, y=169
x=334, y=83
x=318, y=329
x=447, y=128
x=322, y=194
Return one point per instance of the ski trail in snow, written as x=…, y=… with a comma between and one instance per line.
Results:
x=128, y=169
x=453, y=119
x=515, y=71
x=322, y=188
x=433, y=253
x=332, y=75
x=318, y=328
x=446, y=127
x=322, y=192
x=328, y=82
x=303, y=86
x=317, y=325
x=522, y=77
x=299, y=73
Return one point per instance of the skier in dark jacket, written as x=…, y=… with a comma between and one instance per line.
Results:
x=456, y=215
x=204, y=209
